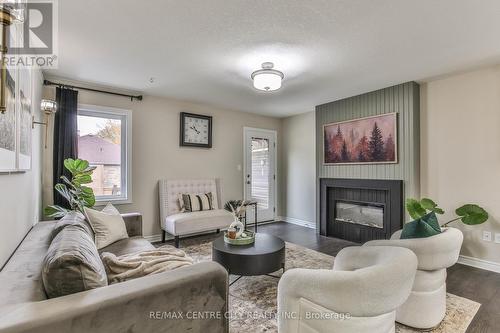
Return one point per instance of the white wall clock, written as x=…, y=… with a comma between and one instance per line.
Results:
x=195, y=130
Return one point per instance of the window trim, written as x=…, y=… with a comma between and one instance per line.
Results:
x=126, y=149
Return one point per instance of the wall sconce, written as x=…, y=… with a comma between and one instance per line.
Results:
x=48, y=107
x=10, y=12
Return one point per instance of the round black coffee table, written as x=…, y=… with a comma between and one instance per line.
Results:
x=266, y=255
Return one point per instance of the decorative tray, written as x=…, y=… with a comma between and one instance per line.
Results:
x=249, y=239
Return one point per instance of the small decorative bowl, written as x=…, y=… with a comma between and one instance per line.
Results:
x=249, y=239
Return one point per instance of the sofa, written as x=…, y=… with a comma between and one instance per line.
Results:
x=154, y=303
x=178, y=223
x=359, y=295
x=426, y=306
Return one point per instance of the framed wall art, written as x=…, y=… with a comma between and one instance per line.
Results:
x=25, y=119
x=16, y=122
x=8, y=125
x=370, y=140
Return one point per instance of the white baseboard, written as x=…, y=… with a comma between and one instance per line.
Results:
x=303, y=223
x=479, y=263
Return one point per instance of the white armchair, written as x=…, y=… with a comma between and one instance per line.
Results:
x=360, y=294
x=426, y=306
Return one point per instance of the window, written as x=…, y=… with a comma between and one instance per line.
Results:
x=104, y=139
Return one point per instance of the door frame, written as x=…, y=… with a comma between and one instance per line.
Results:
x=274, y=133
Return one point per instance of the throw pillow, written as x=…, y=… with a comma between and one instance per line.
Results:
x=425, y=226
x=196, y=202
x=72, y=263
x=72, y=218
x=108, y=225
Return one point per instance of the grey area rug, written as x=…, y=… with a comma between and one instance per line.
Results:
x=252, y=300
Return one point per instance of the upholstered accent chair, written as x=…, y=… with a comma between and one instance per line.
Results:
x=359, y=295
x=178, y=223
x=426, y=306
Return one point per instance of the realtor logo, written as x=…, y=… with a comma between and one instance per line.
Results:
x=33, y=35
x=36, y=33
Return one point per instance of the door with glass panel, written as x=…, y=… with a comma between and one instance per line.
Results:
x=260, y=172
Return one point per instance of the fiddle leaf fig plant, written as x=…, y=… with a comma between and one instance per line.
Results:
x=74, y=191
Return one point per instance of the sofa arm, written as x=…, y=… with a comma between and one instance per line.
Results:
x=133, y=223
x=190, y=299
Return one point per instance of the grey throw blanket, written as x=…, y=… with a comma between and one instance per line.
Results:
x=134, y=265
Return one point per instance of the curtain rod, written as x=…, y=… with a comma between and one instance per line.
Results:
x=61, y=85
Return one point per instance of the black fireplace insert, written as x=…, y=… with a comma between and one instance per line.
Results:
x=360, y=210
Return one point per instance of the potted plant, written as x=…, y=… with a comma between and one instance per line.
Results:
x=74, y=191
x=237, y=208
x=426, y=224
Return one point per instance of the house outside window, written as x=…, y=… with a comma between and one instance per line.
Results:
x=104, y=139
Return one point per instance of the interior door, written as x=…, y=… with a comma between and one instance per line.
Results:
x=260, y=172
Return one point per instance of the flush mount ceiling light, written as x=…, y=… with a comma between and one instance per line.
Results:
x=267, y=78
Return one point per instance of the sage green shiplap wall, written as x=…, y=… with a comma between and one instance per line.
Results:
x=403, y=99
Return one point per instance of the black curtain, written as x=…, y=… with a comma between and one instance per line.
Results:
x=65, y=136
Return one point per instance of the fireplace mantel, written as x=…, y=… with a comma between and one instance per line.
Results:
x=386, y=193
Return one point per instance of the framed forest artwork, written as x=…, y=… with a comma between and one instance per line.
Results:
x=371, y=140
x=16, y=121
x=8, y=125
x=25, y=115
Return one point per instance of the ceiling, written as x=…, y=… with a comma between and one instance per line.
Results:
x=204, y=51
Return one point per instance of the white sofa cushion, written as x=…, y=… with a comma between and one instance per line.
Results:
x=187, y=223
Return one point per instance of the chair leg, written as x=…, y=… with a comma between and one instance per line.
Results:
x=177, y=241
x=163, y=236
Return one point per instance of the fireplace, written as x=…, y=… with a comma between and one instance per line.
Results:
x=362, y=213
x=360, y=210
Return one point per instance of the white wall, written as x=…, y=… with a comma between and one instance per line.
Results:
x=156, y=153
x=460, y=150
x=299, y=168
x=20, y=194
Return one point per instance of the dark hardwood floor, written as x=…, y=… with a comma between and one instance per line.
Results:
x=472, y=283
